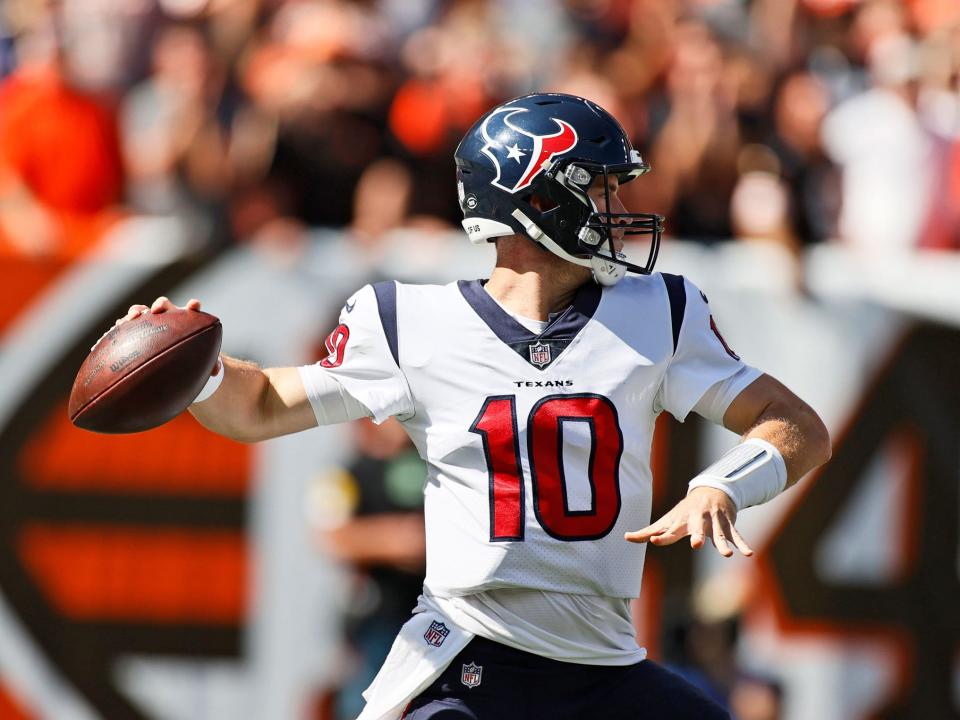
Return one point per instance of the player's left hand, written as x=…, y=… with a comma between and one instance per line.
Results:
x=704, y=512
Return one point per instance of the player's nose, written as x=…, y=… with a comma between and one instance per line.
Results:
x=617, y=206
x=619, y=224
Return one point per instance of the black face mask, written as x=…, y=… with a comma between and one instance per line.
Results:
x=595, y=229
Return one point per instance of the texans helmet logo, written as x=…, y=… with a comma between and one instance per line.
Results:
x=518, y=154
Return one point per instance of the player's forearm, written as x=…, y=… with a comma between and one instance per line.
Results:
x=767, y=410
x=236, y=409
x=799, y=435
x=251, y=404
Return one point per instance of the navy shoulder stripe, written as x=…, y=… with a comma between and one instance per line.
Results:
x=386, y=292
x=677, y=294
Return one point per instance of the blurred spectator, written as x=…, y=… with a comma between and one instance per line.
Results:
x=884, y=152
x=381, y=202
x=380, y=536
x=756, y=698
x=319, y=71
x=60, y=169
x=7, y=48
x=169, y=144
x=799, y=106
x=939, y=107
x=695, y=148
x=704, y=651
x=760, y=203
x=456, y=69
x=702, y=645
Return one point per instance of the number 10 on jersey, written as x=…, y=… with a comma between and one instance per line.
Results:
x=496, y=424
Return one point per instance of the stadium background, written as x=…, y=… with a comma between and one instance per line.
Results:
x=269, y=156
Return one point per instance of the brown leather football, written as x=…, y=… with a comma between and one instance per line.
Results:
x=145, y=372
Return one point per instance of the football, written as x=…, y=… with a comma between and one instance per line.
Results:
x=145, y=371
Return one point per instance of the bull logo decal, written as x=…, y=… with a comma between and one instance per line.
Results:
x=518, y=154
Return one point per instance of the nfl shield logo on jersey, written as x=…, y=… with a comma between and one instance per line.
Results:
x=436, y=633
x=471, y=675
x=540, y=354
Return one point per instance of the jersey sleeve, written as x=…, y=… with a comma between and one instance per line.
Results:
x=701, y=358
x=362, y=355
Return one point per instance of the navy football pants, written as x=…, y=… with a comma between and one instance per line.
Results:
x=514, y=685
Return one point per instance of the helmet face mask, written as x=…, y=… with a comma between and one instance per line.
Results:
x=596, y=237
x=528, y=167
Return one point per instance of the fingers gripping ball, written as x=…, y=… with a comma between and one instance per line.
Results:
x=145, y=371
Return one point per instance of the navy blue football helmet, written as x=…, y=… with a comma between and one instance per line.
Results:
x=552, y=147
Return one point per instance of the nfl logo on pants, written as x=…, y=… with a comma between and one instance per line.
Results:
x=471, y=675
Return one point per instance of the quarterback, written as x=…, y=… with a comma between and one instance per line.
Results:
x=532, y=397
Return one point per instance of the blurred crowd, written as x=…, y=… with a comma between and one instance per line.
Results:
x=790, y=121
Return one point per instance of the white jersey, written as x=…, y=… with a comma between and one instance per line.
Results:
x=537, y=446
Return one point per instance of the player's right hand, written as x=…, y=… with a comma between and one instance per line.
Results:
x=160, y=305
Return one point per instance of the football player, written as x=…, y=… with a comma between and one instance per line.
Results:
x=532, y=397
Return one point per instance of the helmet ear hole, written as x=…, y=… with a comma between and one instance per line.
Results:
x=541, y=203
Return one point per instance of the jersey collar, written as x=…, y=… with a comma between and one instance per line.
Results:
x=538, y=350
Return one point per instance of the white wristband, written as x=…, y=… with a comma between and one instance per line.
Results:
x=213, y=383
x=751, y=473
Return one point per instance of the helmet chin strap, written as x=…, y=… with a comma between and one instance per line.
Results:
x=606, y=273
